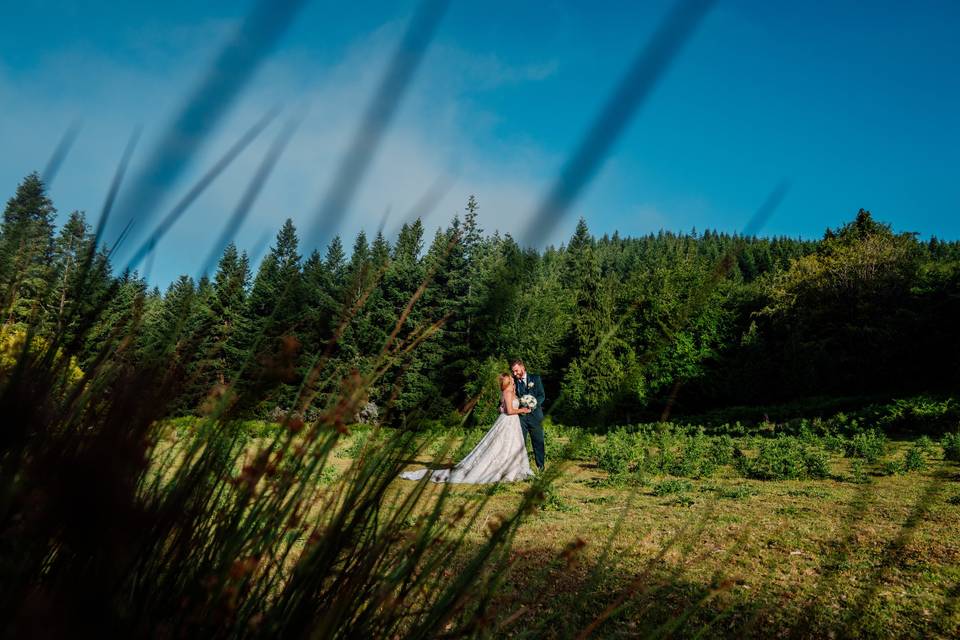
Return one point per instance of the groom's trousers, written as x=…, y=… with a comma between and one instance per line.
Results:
x=534, y=428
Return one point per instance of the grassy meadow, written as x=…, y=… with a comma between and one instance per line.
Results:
x=663, y=530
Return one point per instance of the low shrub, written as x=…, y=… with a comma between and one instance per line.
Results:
x=619, y=453
x=568, y=443
x=869, y=445
x=721, y=450
x=784, y=458
x=553, y=502
x=925, y=445
x=671, y=486
x=660, y=449
x=919, y=414
x=681, y=455
x=858, y=474
x=951, y=446
x=817, y=463
x=893, y=467
x=682, y=500
x=913, y=459
x=687, y=455
x=835, y=444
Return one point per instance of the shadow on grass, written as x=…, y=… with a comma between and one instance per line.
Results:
x=551, y=594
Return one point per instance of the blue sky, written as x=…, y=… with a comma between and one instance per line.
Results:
x=856, y=104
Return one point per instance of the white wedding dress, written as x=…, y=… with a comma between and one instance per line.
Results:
x=501, y=456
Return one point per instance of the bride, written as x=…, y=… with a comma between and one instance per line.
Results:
x=501, y=456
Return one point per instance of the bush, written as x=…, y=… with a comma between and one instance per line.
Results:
x=869, y=445
x=568, y=443
x=836, y=444
x=785, y=458
x=817, y=463
x=951, y=446
x=925, y=445
x=670, y=450
x=913, y=459
x=919, y=414
x=552, y=501
x=893, y=467
x=685, y=455
x=721, y=450
x=671, y=486
x=682, y=500
x=857, y=473
x=618, y=453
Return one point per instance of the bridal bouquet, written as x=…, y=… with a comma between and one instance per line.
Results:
x=528, y=401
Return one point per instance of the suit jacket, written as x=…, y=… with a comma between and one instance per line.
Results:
x=534, y=388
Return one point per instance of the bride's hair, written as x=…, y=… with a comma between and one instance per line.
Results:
x=505, y=380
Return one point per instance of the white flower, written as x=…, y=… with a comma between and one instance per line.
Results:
x=529, y=385
x=528, y=401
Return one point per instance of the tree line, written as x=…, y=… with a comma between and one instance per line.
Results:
x=621, y=328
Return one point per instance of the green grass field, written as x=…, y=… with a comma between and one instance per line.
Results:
x=728, y=556
x=872, y=549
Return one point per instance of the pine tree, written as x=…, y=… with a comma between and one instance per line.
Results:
x=595, y=372
x=216, y=314
x=447, y=260
x=26, y=251
x=321, y=308
x=120, y=323
x=357, y=275
x=80, y=282
x=166, y=325
x=380, y=313
x=70, y=249
x=335, y=261
x=267, y=336
x=471, y=236
x=401, y=281
x=274, y=302
x=198, y=353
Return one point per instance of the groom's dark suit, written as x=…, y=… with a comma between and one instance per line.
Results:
x=532, y=423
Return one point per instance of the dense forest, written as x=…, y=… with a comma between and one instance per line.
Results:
x=622, y=329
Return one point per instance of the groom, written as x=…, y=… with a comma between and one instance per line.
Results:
x=532, y=423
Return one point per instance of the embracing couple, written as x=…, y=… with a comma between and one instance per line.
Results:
x=501, y=456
